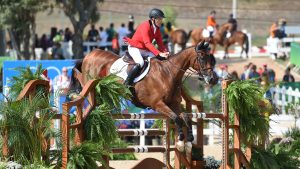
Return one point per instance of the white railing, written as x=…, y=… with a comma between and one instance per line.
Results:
x=282, y=97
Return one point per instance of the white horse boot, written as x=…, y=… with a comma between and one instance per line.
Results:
x=188, y=147
x=180, y=146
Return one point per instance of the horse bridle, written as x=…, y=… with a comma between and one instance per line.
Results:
x=202, y=72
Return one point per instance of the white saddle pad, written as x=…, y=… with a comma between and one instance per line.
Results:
x=205, y=33
x=228, y=35
x=119, y=68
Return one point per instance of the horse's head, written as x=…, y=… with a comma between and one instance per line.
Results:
x=204, y=63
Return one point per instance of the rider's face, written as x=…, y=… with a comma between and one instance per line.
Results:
x=158, y=21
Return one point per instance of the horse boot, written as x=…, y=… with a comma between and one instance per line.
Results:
x=132, y=74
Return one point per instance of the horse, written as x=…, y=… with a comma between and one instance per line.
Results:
x=220, y=38
x=160, y=89
x=179, y=37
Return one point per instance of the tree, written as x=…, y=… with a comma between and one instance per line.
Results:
x=19, y=16
x=2, y=42
x=171, y=15
x=81, y=13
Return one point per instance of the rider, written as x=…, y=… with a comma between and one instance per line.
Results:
x=211, y=23
x=141, y=43
x=233, y=21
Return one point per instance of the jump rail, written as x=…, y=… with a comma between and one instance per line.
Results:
x=180, y=158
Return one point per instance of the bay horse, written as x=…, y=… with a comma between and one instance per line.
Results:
x=160, y=89
x=220, y=38
x=180, y=37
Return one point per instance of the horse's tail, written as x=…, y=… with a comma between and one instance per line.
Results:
x=75, y=85
x=246, y=42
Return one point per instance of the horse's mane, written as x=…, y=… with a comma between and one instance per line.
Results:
x=180, y=53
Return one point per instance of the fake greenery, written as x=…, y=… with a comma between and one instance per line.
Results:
x=25, y=75
x=281, y=153
x=110, y=93
x=85, y=156
x=245, y=98
x=100, y=126
x=30, y=119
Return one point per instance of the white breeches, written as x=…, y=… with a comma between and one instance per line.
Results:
x=137, y=54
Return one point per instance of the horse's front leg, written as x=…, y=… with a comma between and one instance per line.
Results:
x=166, y=110
x=190, y=136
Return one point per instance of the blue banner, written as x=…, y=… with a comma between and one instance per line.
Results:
x=54, y=68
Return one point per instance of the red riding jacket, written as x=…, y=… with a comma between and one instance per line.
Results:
x=144, y=36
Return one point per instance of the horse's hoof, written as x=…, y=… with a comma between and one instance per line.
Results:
x=188, y=147
x=180, y=146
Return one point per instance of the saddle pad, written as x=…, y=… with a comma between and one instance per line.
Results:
x=205, y=33
x=119, y=68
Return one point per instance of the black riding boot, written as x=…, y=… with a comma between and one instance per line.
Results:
x=132, y=74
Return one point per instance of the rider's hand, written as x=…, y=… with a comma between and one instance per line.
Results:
x=164, y=54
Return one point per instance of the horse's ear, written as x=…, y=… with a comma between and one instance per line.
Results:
x=200, y=46
x=206, y=44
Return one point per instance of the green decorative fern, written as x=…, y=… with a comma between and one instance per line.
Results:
x=85, y=156
x=27, y=129
x=110, y=92
x=25, y=75
x=100, y=126
x=243, y=98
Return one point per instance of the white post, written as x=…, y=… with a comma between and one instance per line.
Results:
x=250, y=45
x=142, y=127
x=234, y=5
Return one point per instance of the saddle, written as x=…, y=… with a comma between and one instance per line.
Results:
x=128, y=59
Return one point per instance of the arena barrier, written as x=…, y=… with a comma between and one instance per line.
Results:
x=88, y=92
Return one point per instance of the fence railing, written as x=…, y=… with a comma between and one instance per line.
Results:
x=284, y=97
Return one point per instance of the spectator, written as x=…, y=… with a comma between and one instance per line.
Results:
x=164, y=35
x=62, y=82
x=269, y=72
x=131, y=26
x=59, y=37
x=223, y=72
x=115, y=44
x=61, y=87
x=234, y=75
x=288, y=77
x=243, y=76
x=254, y=74
x=57, y=52
x=111, y=34
x=37, y=41
x=44, y=41
x=265, y=83
x=93, y=35
x=103, y=38
x=247, y=72
x=122, y=32
x=260, y=71
x=68, y=35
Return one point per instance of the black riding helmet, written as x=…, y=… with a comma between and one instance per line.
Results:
x=156, y=13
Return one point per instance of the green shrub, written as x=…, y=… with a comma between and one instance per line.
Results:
x=85, y=156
